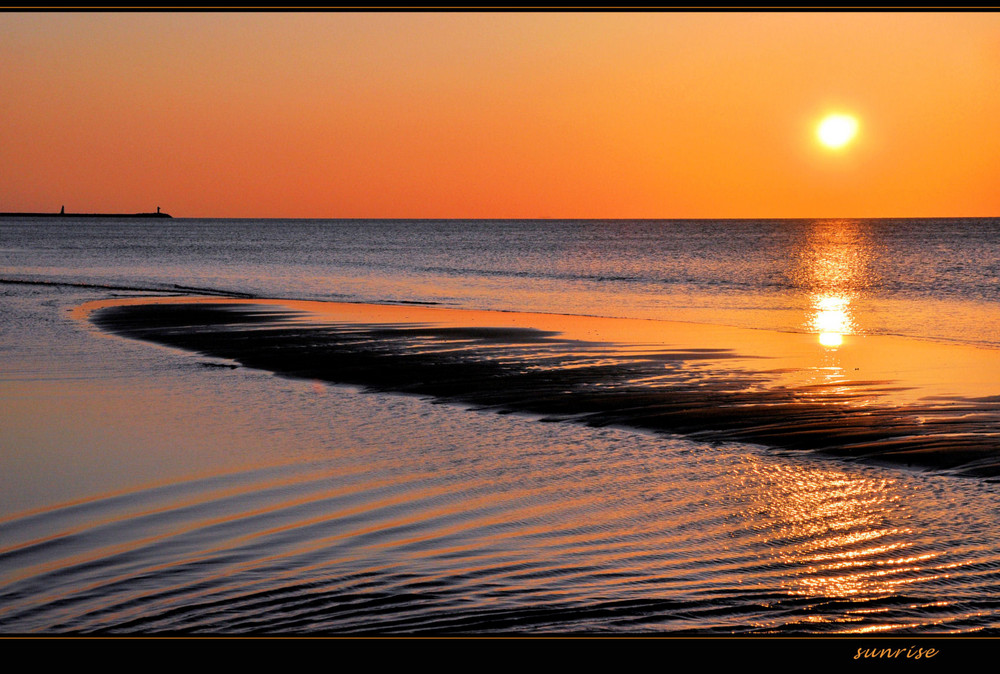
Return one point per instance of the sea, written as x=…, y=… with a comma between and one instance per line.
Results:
x=149, y=490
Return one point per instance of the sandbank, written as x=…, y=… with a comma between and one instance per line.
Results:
x=878, y=398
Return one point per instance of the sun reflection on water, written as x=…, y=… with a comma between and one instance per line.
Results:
x=832, y=319
x=834, y=531
x=835, y=271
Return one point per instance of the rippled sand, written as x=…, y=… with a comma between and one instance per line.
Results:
x=877, y=398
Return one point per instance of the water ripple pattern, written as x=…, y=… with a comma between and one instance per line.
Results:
x=626, y=534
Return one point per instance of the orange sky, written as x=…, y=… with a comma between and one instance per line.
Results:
x=478, y=115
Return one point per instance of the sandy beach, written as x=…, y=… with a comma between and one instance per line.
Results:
x=877, y=398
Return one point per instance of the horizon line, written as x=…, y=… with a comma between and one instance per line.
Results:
x=9, y=214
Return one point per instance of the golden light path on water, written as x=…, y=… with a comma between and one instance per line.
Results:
x=836, y=263
x=840, y=537
x=844, y=548
x=832, y=319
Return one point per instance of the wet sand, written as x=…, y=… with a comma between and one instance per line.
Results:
x=882, y=399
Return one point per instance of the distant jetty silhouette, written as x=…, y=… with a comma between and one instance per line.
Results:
x=63, y=214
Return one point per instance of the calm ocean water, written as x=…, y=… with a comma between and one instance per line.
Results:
x=144, y=489
x=936, y=278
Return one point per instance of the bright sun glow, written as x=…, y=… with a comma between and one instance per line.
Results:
x=831, y=339
x=837, y=130
x=832, y=319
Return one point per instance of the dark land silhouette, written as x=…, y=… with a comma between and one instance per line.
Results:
x=63, y=214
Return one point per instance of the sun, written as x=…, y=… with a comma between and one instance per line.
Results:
x=837, y=130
